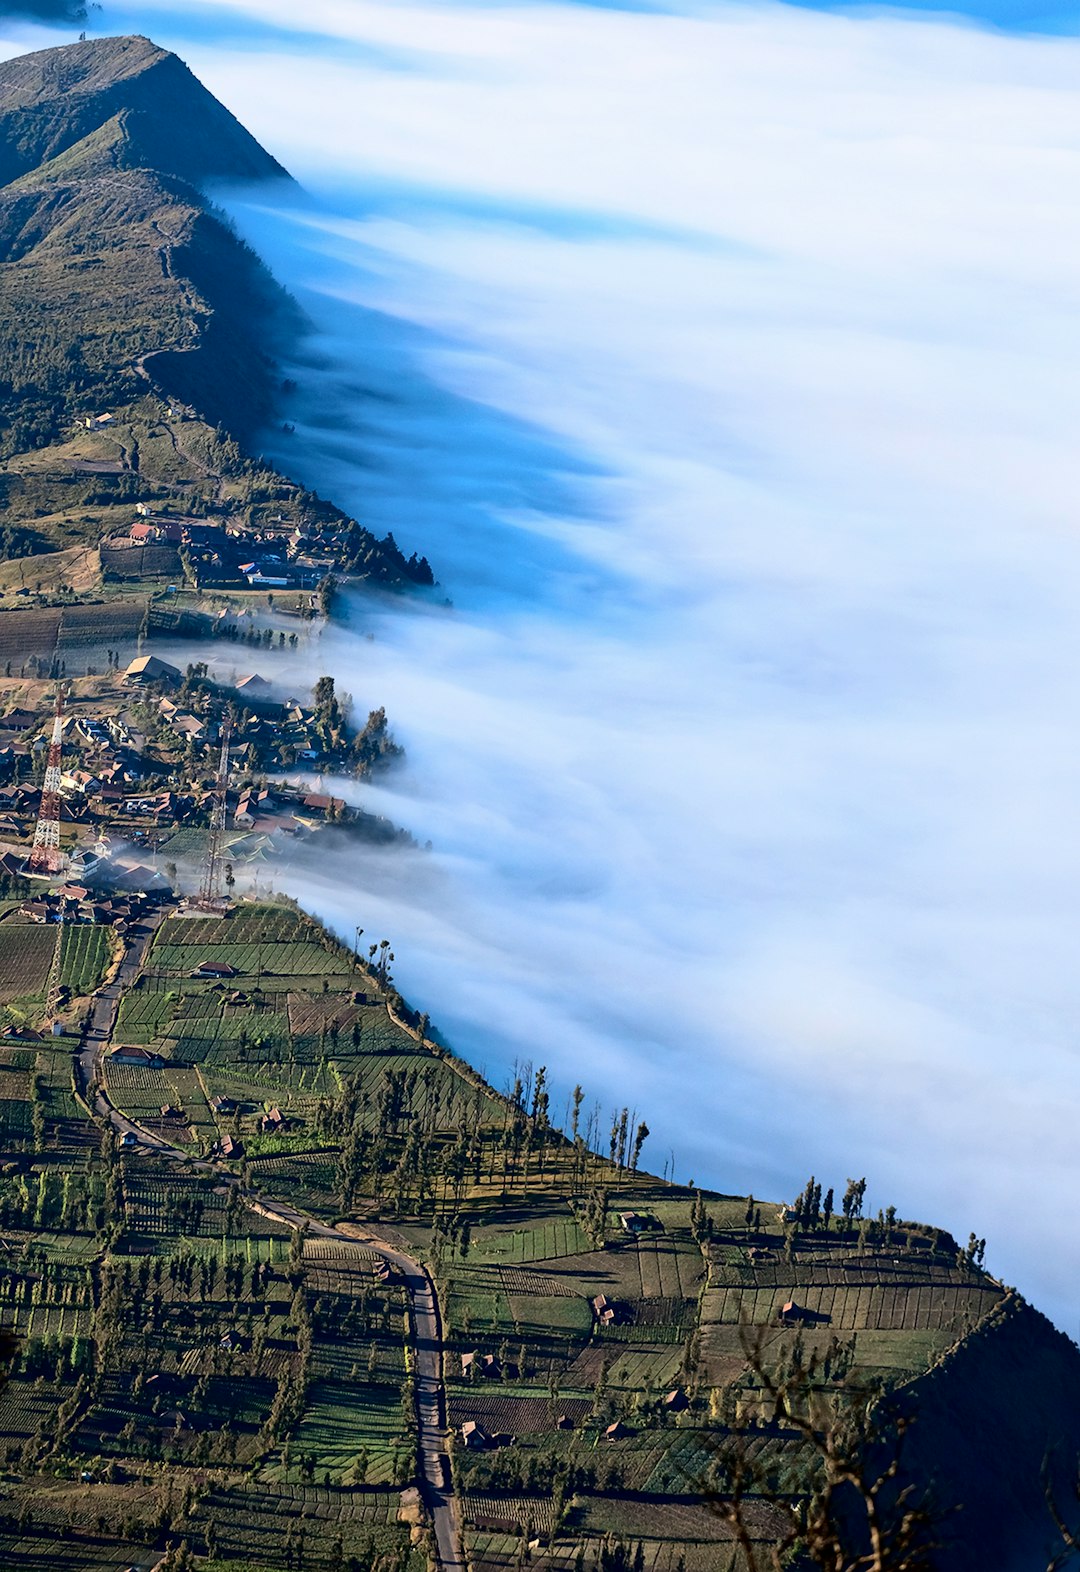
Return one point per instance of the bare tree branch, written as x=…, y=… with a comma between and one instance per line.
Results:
x=857, y=1517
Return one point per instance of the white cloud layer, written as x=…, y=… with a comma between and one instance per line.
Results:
x=724, y=365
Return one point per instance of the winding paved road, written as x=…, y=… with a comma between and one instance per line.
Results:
x=436, y=1486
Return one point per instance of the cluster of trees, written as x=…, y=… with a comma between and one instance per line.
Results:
x=17, y=541
x=811, y=1210
x=60, y=1198
x=371, y=749
x=362, y=553
x=620, y=1151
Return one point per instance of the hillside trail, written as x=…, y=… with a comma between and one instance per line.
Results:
x=436, y=1480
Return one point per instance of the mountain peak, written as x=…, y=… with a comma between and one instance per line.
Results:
x=90, y=66
x=54, y=98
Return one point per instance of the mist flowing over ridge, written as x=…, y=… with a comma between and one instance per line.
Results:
x=745, y=748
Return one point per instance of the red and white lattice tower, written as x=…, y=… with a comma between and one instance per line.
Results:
x=46, y=859
x=209, y=898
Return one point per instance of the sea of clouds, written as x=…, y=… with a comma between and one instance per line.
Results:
x=723, y=360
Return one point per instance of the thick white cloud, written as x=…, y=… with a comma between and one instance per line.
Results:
x=725, y=366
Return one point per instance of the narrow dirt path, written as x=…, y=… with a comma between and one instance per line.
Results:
x=436, y=1486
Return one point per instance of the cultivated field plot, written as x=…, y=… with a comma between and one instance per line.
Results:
x=39, y=1550
x=626, y=1369
x=614, y=1272
x=141, y=1093
x=498, y=1552
x=26, y=633
x=548, y=1241
x=533, y=1312
x=22, y=1409
x=52, y=1064
x=523, y=1280
x=142, y=1014
x=671, y=1266
x=15, y=1075
x=15, y=1125
x=313, y=1014
x=185, y=843
x=257, y=1525
x=26, y=957
x=305, y=1176
x=106, y=625
x=53, y=630
x=338, y=1415
x=513, y=1414
x=838, y=1266
x=870, y=1307
x=653, y=1321
x=49, y=1321
x=679, y=1522
x=510, y=1513
x=338, y=1257
x=84, y=955
x=274, y=924
x=134, y=562
x=291, y=958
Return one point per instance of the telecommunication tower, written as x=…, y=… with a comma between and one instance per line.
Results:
x=46, y=860
x=210, y=898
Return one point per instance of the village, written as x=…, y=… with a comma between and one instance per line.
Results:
x=235, y=551
x=143, y=765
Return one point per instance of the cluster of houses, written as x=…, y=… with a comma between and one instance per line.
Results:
x=12, y=1033
x=278, y=733
x=111, y=771
x=268, y=555
x=77, y=903
x=118, y=755
x=272, y=1122
x=607, y=1312
x=477, y=1438
x=285, y=809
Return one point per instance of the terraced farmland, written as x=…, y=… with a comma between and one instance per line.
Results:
x=273, y=1369
x=26, y=957
x=47, y=631
x=84, y=954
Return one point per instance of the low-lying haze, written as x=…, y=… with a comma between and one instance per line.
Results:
x=724, y=366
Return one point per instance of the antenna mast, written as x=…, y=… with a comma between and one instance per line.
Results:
x=210, y=898
x=46, y=860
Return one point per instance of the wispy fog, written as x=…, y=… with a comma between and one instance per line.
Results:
x=725, y=366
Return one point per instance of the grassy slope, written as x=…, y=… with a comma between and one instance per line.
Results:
x=54, y=98
x=115, y=273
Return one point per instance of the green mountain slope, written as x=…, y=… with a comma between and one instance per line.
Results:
x=114, y=273
x=54, y=98
x=123, y=289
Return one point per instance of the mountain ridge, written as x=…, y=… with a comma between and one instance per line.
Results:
x=112, y=256
x=52, y=99
x=120, y=278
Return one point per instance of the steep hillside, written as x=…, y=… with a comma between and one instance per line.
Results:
x=115, y=273
x=54, y=98
x=1001, y=1405
x=119, y=280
